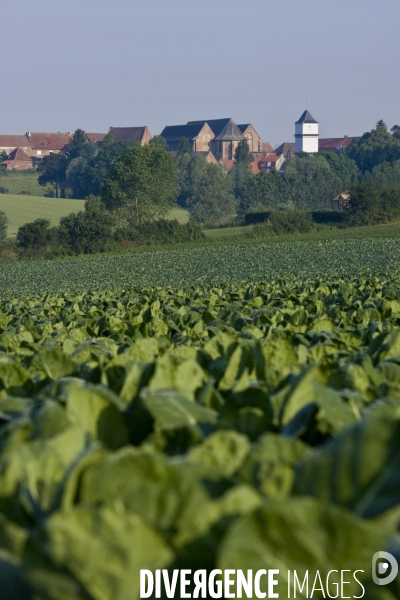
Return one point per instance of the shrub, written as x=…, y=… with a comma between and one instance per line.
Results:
x=88, y=231
x=371, y=204
x=291, y=221
x=3, y=225
x=165, y=232
x=37, y=238
x=3, y=190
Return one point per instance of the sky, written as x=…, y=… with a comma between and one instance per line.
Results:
x=93, y=64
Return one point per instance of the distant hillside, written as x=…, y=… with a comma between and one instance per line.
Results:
x=21, y=209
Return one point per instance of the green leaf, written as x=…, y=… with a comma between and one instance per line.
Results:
x=360, y=469
x=221, y=454
x=171, y=410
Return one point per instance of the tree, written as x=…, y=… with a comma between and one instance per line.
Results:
x=238, y=177
x=52, y=171
x=3, y=225
x=79, y=146
x=184, y=147
x=158, y=141
x=371, y=204
x=374, y=148
x=36, y=236
x=243, y=154
x=211, y=201
x=396, y=131
x=260, y=193
x=141, y=186
x=189, y=170
x=91, y=230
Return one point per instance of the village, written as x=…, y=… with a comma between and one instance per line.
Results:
x=215, y=139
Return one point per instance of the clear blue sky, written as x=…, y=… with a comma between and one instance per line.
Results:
x=95, y=63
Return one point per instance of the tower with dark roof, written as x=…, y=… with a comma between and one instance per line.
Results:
x=306, y=133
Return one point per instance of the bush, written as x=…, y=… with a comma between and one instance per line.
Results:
x=256, y=217
x=88, y=231
x=37, y=238
x=165, y=232
x=372, y=204
x=3, y=225
x=291, y=221
x=3, y=190
x=327, y=216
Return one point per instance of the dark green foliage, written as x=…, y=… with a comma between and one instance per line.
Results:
x=371, y=204
x=141, y=186
x=184, y=147
x=261, y=192
x=52, y=170
x=291, y=221
x=238, y=176
x=189, y=171
x=37, y=237
x=243, y=154
x=396, y=131
x=323, y=216
x=158, y=141
x=256, y=217
x=79, y=147
x=3, y=190
x=210, y=200
x=384, y=174
x=88, y=231
x=3, y=225
x=375, y=147
x=165, y=232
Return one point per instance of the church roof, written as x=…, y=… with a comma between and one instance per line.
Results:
x=306, y=117
x=173, y=133
x=230, y=132
x=19, y=154
x=131, y=134
x=216, y=125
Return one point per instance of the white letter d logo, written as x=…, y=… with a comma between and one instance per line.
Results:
x=383, y=567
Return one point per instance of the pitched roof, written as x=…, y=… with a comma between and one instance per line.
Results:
x=306, y=118
x=266, y=147
x=230, y=132
x=19, y=154
x=13, y=141
x=173, y=133
x=48, y=141
x=244, y=127
x=227, y=163
x=330, y=144
x=95, y=138
x=272, y=158
x=216, y=125
x=132, y=134
x=254, y=168
x=285, y=147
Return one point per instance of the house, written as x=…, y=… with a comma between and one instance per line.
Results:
x=95, y=138
x=199, y=136
x=253, y=138
x=44, y=144
x=287, y=149
x=18, y=160
x=139, y=135
x=8, y=143
x=306, y=133
x=337, y=145
x=271, y=161
x=341, y=201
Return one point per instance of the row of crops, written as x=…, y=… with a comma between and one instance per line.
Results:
x=184, y=267
x=231, y=426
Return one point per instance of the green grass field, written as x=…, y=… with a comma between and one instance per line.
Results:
x=21, y=182
x=23, y=209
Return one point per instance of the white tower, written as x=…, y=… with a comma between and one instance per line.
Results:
x=306, y=133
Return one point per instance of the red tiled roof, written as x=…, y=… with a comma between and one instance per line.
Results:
x=330, y=144
x=132, y=134
x=18, y=154
x=272, y=158
x=94, y=138
x=49, y=141
x=266, y=147
x=13, y=141
x=227, y=163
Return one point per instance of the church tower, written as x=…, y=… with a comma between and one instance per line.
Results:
x=306, y=133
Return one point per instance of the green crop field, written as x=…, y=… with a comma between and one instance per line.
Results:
x=23, y=209
x=229, y=407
